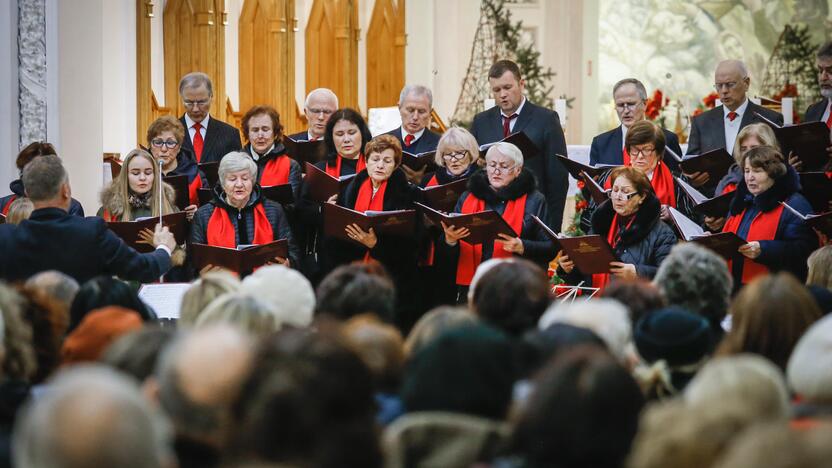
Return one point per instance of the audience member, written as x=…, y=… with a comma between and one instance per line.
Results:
x=512, y=296
x=774, y=446
x=809, y=374
x=58, y=287
x=19, y=359
x=20, y=210
x=96, y=332
x=247, y=313
x=433, y=324
x=137, y=352
x=202, y=292
x=541, y=346
x=820, y=268
x=106, y=291
x=48, y=320
x=638, y=295
x=605, y=317
x=284, y=289
x=355, y=289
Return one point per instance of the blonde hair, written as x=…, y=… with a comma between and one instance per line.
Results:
x=761, y=131
x=20, y=209
x=245, y=312
x=457, y=137
x=203, y=292
x=121, y=188
x=820, y=267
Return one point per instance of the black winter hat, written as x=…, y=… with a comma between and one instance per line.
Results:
x=675, y=335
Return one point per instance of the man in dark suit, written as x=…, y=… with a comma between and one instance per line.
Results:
x=320, y=104
x=718, y=127
x=514, y=113
x=415, y=104
x=83, y=248
x=821, y=111
x=630, y=97
x=206, y=138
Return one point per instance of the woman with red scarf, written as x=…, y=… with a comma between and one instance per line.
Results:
x=238, y=214
x=382, y=186
x=506, y=187
x=164, y=138
x=777, y=238
x=262, y=128
x=630, y=221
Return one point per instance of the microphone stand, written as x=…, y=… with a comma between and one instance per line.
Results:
x=160, y=183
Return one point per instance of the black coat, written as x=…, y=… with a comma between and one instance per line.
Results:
x=427, y=142
x=295, y=174
x=274, y=212
x=815, y=112
x=83, y=248
x=220, y=139
x=18, y=191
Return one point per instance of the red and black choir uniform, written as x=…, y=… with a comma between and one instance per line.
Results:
x=516, y=203
x=186, y=165
x=261, y=221
x=275, y=167
x=785, y=239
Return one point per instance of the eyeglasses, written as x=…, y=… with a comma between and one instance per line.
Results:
x=200, y=103
x=729, y=85
x=499, y=168
x=641, y=152
x=455, y=156
x=325, y=112
x=620, y=195
x=158, y=143
x=624, y=106
x=415, y=110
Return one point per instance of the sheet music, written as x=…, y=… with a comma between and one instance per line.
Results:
x=165, y=299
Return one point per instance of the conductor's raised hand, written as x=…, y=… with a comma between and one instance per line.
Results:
x=163, y=236
x=453, y=234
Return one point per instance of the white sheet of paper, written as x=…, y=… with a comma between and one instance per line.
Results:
x=165, y=298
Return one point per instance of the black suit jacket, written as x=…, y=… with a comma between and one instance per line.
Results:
x=427, y=142
x=815, y=112
x=300, y=136
x=542, y=126
x=83, y=248
x=606, y=148
x=707, y=131
x=220, y=139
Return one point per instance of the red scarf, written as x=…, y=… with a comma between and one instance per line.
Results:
x=729, y=187
x=335, y=170
x=367, y=202
x=601, y=280
x=221, y=232
x=662, y=183
x=9, y=205
x=276, y=171
x=763, y=227
x=193, y=190
x=625, y=155
x=109, y=217
x=432, y=182
x=470, y=255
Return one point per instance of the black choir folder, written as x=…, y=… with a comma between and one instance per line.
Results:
x=520, y=140
x=211, y=171
x=808, y=141
x=820, y=222
x=484, y=226
x=596, y=192
x=591, y=254
x=716, y=207
x=180, y=187
x=278, y=193
x=322, y=185
x=716, y=163
x=305, y=151
x=817, y=188
x=128, y=231
x=397, y=223
x=575, y=168
x=723, y=243
x=242, y=259
x=418, y=161
x=444, y=197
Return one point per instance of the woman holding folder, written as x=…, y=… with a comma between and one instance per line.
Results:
x=630, y=221
x=135, y=192
x=457, y=155
x=238, y=214
x=506, y=187
x=164, y=138
x=262, y=128
x=778, y=239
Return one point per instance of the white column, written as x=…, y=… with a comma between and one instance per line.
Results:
x=119, y=80
x=8, y=94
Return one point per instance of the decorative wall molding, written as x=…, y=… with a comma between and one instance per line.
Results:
x=31, y=39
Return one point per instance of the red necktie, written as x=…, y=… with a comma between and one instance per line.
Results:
x=829, y=120
x=198, y=142
x=732, y=115
x=507, y=124
x=408, y=139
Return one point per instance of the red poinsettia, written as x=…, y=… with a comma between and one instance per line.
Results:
x=655, y=104
x=581, y=184
x=710, y=100
x=581, y=205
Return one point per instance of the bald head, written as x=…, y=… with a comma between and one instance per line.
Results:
x=731, y=82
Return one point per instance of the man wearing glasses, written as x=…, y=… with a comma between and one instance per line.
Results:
x=630, y=97
x=415, y=105
x=320, y=104
x=208, y=139
x=718, y=127
x=822, y=110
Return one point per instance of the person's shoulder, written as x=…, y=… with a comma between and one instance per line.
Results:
x=394, y=132
x=602, y=138
x=765, y=112
x=222, y=125
x=485, y=114
x=669, y=136
x=299, y=136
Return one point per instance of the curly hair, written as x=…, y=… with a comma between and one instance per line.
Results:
x=20, y=361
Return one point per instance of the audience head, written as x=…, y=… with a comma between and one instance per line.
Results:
x=320, y=104
x=415, y=104
x=823, y=61
x=468, y=370
x=32, y=151
x=503, y=164
x=353, y=289
x=48, y=319
x=137, y=352
x=262, y=127
x=543, y=345
x=775, y=445
x=512, y=296
x=630, y=98
x=19, y=210
x=639, y=296
x=91, y=416
x=752, y=136
x=104, y=291
x=433, y=324
x=97, y=331
x=196, y=92
x=696, y=279
x=58, y=287
x=346, y=134
x=731, y=82
x=202, y=292
x=482, y=269
x=457, y=151
x=381, y=347
x=285, y=290
x=17, y=356
x=164, y=138
x=507, y=85
x=768, y=316
x=809, y=370
x=47, y=182
x=820, y=267
x=607, y=318
x=744, y=380
x=583, y=411
x=243, y=311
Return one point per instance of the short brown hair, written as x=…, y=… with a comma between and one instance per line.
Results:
x=638, y=178
x=767, y=159
x=500, y=67
x=33, y=150
x=382, y=143
x=644, y=132
x=277, y=128
x=164, y=124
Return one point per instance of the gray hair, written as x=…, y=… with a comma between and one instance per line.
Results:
x=196, y=80
x=286, y=290
x=810, y=370
x=642, y=91
x=236, y=161
x=56, y=285
x=202, y=292
x=418, y=90
x=696, y=279
x=324, y=92
x=825, y=51
x=457, y=137
x=91, y=416
x=243, y=311
x=508, y=150
x=43, y=178
x=608, y=318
